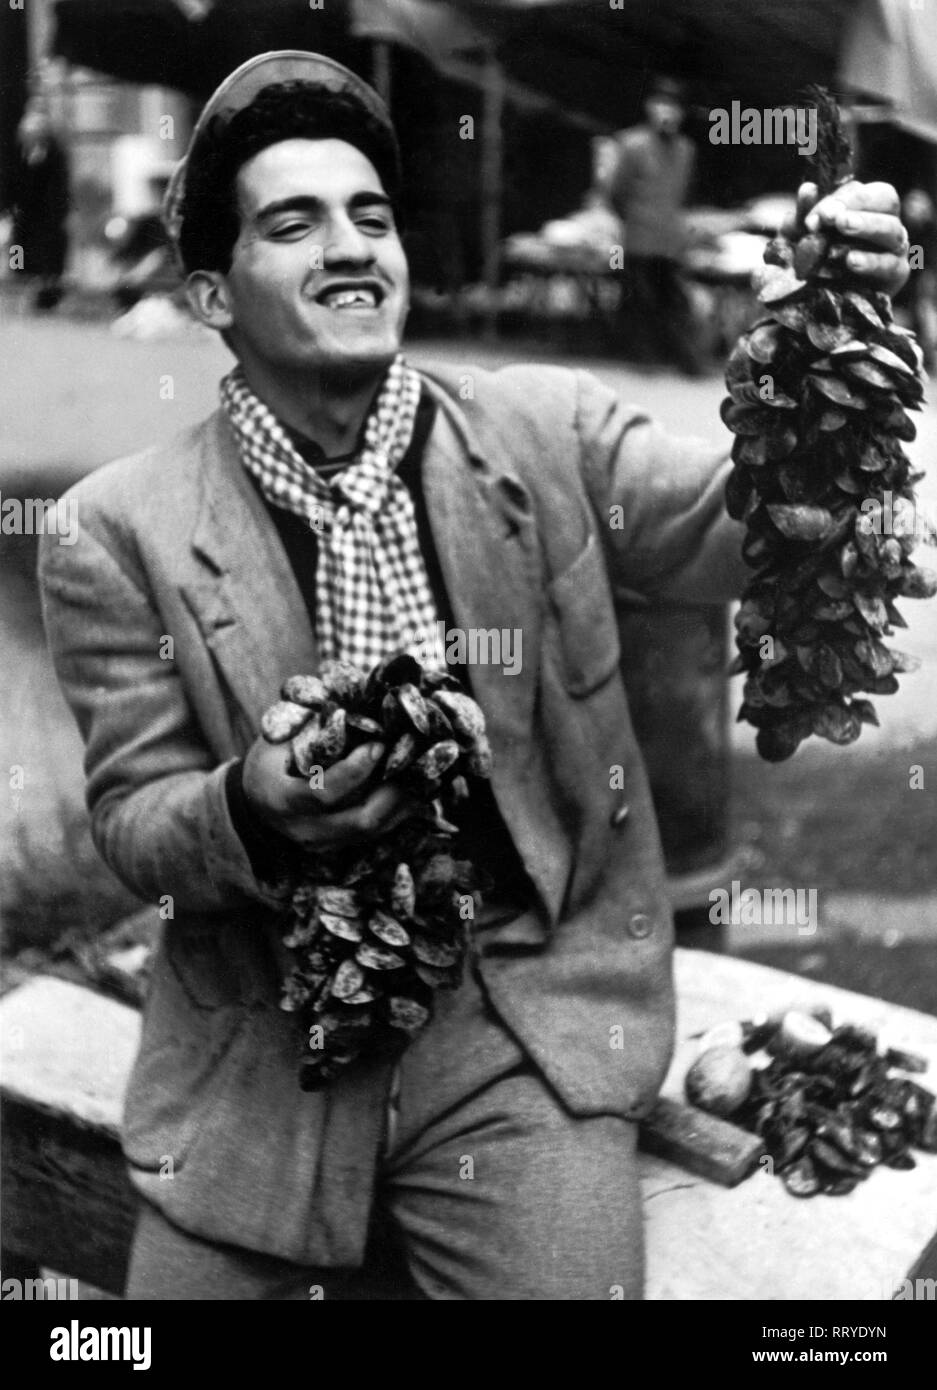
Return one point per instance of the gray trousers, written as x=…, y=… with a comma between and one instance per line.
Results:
x=487, y=1189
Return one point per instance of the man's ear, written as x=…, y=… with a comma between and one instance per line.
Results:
x=207, y=293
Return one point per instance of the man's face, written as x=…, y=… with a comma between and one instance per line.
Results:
x=318, y=277
x=664, y=114
x=34, y=127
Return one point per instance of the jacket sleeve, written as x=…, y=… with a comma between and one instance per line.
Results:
x=159, y=813
x=660, y=503
x=620, y=181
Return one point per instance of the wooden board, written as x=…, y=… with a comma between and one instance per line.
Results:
x=67, y=1200
x=700, y=1143
x=755, y=1240
x=67, y=1050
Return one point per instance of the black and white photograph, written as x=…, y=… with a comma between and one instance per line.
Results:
x=468, y=699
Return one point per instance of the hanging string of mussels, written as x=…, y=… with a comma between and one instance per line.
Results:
x=819, y=391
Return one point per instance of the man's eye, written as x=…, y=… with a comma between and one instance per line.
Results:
x=289, y=231
x=376, y=222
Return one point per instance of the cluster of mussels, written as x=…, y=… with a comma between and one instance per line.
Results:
x=829, y=1118
x=819, y=391
x=818, y=397
x=374, y=933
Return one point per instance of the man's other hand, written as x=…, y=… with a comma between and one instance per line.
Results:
x=867, y=214
x=342, y=811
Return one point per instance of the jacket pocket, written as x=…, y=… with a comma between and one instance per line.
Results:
x=220, y=962
x=582, y=604
x=183, y=1047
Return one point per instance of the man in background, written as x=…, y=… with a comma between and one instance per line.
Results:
x=41, y=204
x=648, y=187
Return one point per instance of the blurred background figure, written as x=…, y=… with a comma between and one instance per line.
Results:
x=919, y=296
x=648, y=188
x=141, y=253
x=40, y=204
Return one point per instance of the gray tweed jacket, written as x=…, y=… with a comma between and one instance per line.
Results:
x=546, y=495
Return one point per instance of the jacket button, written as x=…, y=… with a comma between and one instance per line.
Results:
x=640, y=925
x=619, y=815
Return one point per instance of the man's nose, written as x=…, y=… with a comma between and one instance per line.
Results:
x=345, y=242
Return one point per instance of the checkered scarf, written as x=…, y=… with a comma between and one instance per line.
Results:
x=372, y=591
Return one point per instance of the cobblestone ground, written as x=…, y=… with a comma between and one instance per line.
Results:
x=73, y=395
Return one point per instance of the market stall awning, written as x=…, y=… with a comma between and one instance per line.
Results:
x=438, y=31
x=583, y=54
x=191, y=45
x=890, y=52
x=594, y=57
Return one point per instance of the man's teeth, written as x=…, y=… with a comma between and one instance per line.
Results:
x=343, y=298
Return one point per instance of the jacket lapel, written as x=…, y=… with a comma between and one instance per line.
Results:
x=489, y=551
x=483, y=526
x=242, y=591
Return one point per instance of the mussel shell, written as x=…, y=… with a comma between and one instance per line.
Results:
x=401, y=755
x=434, y=680
x=333, y=739
x=387, y=929
x=305, y=690
x=437, y=977
x=479, y=757
x=342, y=680
x=905, y=1061
x=790, y=1144
x=361, y=724
x=349, y=978
x=436, y=761
x=347, y=928
x=365, y=995
x=435, y=953
x=463, y=714
x=801, y=1179
x=884, y=1119
x=400, y=668
x=439, y=726
x=282, y=720
x=827, y=1157
x=406, y=1014
x=378, y=957
x=840, y=1187
x=306, y=746
x=343, y=902
x=413, y=707
x=403, y=892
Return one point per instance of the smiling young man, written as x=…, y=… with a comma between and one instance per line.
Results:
x=336, y=503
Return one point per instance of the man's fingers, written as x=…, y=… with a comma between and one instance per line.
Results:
x=870, y=197
x=345, y=779
x=880, y=267
x=793, y=225
x=382, y=811
x=340, y=783
x=880, y=229
x=858, y=198
x=807, y=195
